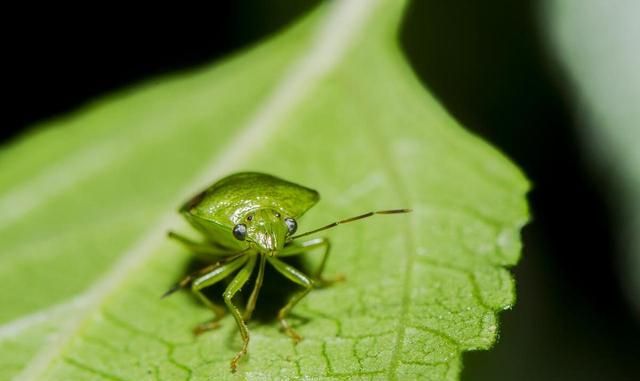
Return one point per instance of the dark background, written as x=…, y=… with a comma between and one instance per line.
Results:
x=489, y=66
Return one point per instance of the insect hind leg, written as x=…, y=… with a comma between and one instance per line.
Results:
x=204, y=250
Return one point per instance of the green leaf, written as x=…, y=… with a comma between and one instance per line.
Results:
x=330, y=103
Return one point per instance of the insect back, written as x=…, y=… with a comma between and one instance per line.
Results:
x=244, y=203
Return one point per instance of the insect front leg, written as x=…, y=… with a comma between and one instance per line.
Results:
x=251, y=304
x=236, y=284
x=298, y=277
x=296, y=248
x=208, y=279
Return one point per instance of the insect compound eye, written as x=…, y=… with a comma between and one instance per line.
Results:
x=240, y=232
x=292, y=225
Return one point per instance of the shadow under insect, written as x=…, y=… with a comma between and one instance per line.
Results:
x=275, y=293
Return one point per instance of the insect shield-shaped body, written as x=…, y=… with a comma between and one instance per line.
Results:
x=249, y=211
x=249, y=219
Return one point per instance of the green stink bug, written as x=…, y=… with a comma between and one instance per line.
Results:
x=247, y=219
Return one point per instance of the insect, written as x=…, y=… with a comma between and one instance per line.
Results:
x=248, y=219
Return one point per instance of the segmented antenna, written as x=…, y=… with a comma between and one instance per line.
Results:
x=334, y=224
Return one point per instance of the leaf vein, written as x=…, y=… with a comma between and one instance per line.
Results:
x=168, y=344
x=78, y=364
x=390, y=167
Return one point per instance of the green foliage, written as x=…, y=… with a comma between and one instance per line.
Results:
x=331, y=104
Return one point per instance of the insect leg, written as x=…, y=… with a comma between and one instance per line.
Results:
x=199, y=247
x=215, y=275
x=295, y=248
x=236, y=284
x=297, y=277
x=251, y=304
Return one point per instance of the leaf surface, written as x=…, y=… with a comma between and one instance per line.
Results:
x=330, y=103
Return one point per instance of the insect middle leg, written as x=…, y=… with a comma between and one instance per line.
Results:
x=208, y=279
x=298, y=277
x=296, y=248
x=236, y=284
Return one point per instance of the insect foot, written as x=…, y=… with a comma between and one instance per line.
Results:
x=204, y=327
x=322, y=282
x=294, y=335
x=238, y=356
x=290, y=331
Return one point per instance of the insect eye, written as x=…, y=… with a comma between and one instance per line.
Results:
x=240, y=232
x=292, y=225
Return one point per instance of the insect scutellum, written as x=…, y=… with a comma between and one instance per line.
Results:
x=247, y=220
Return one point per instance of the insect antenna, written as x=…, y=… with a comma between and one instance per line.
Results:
x=356, y=218
x=186, y=281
